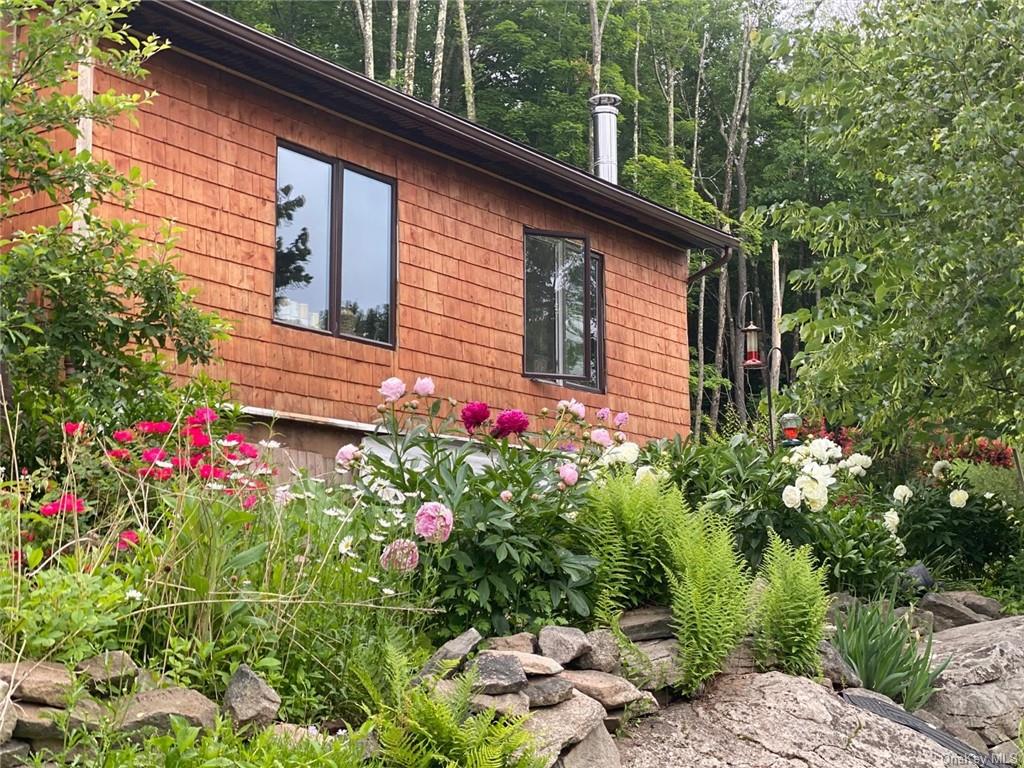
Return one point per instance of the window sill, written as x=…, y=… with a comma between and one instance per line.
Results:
x=342, y=336
x=568, y=385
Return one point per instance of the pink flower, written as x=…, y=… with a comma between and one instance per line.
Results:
x=66, y=503
x=154, y=427
x=424, y=386
x=72, y=428
x=604, y=414
x=249, y=450
x=392, y=389
x=127, y=539
x=124, y=435
x=433, y=522
x=119, y=454
x=510, y=423
x=569, y=474
x=198, y=437
x=574, y=407
x=151, y=455
x=250, y=501
x=506, y=496
x=400, y=555
x=601, y=437
x=474, y=414
x=232, y=439
x=203, y=415
x=346, y=455
x=620, y=419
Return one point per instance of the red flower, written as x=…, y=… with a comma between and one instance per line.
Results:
x=474, y=414
x=157, y=473
x=203, y=416
x=234, y=437
x=156, y=453
x=119, y=454
x=72, y=428
x=154, y=427
x=66, y=503
x=127, y=539
x=211, y=472
x=198, y=437
x=124, y=435
x=249, y=451
x=249, y=501
x=17, y=558
x=510, y=423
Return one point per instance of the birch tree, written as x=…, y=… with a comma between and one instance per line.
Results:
x=467, y=61
x=364, y=12
x=393, y=44
x=435, y=81
x=409, y=61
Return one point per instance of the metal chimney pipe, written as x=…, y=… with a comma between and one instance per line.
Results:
x=605, y=115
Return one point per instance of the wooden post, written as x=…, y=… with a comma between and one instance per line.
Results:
x=776, y=360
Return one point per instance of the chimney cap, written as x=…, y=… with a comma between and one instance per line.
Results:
x=604, y=100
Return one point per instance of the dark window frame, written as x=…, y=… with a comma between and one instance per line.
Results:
x=602, y=373
x=338, y=168
x=575, y=382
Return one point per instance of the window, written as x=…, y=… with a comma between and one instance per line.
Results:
x=334, y=267
x=562, y=309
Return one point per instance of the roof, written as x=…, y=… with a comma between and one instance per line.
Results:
x=237, y=47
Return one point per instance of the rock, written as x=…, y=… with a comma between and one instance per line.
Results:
x=524, y=642
x=986, y=606
x=532, y=663
x=772, y=720
x=740, y=660
x=1008, y=752
x=869, y=694
x=548, y=691
x=112, y=670
x=929, y=718
x=456, y=649
x=248, y=700
x=296, y=733
x=643, y=707
x=647, y=624
x=517, y=703
x=839, y=605
x=498, y=673
x=563, y=644
x=14, y=753
x=39, y=682
x=982, y=688
x=835, y=668
x=948, y=612
x=919, y=618
x=154, y=709
x=555, y=728
x=603, y=654
x=8, y=715
x=919, y=577
x=612, y=691
x=34, y=721
x=660, y=659
x=596, y=750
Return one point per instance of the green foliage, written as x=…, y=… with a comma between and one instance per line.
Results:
x=886, y=654
x=859, y=554
x=86, y=310
x=710, y=588
x=627, y=526
x=790, y=616
x=670, y=183
x=983, y=478
x=919, y=327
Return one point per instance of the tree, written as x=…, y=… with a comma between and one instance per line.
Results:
x=920, y=327
x=409, y=77
x=84, y=312
x=467, y=61
x=435, y=80
x=364, y=12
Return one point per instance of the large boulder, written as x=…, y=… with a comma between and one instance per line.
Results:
x=455, y=650
x=154, y=709
x=40, y=682
x=603, y=654
x=647, y=624
x=597, y=750
x=548, y=691
x=532, y=663
x=611, y=690
x=948, y=611
x=835, y=668
x=563, y=644
x=773, y=720
x=524, y=642
x=986, y=606
x=498, y=672
x=109, y=671
x=982, y=688
x=248, y=700
x=555, y=728
x=660, y=662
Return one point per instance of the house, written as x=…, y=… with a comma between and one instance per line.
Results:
x=351, y=233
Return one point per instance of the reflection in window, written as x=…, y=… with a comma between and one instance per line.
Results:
x=303, y=262
x=334, y=266
x=559, y=322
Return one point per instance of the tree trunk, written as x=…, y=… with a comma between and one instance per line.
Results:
x=701, y=64
x=467, y=62
x=435, y=82
x=393, y=44
x=409, y=61
x=723, y=319
x=636, y=87
x=670, y=96
x=364, y=11
x=698, y=410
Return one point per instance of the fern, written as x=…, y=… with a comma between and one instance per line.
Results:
x=790, y=616
x=710, y=589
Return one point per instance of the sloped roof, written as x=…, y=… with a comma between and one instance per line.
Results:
x=237, y=47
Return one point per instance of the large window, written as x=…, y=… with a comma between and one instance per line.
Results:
x=563, y=308
x=335, y=252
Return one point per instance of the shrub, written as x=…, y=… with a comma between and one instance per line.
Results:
x=626, y=526
x=886, y=655
x=790, y=616
x=710, y=588
x=858, y=552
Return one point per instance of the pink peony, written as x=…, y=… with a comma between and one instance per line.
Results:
x=604, y=414
x=392, y=389
x=197, y=437
x=433, y=522
x=154, y=454
x=574, y=407
x=601, y=437
x=400, y=555
x=346, y=455
x=250, y=501
x=124, y=435
x=66, y=503
x=510, y=423
x=569, y=474
x=474, y=414
x=203, y=415
x=506, y=496
x=154, y=427
x=424, y=386
x=119, y=454
x=127, y=540
x=249, y=450
x=72, y=428
x=621, y=419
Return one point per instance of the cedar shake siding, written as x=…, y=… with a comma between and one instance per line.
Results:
x=209, y=142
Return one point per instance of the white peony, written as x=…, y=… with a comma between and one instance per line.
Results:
x=792, y=497
x=822, y=450
x=822, y=473
x=817, y=503
x=902, y=494
x=939, y=468
x=892, y=520
x=649, y=474
x=624, y=453
x=958, y=498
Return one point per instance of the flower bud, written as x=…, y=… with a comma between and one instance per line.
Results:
x=561, y=486
x=413, y=405
x=545, y=411
x=381, y=408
